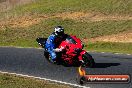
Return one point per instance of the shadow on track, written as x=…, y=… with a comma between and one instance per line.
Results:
x=105, y=65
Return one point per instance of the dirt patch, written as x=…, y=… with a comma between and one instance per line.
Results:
x=26, y=21
x=125, y=37
x=90, y=16
x=104, y=17
x=72, y=15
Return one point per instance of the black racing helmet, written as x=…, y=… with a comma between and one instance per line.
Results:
x=59, y=30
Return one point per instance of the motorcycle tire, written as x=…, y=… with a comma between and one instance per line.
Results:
x=88, y=60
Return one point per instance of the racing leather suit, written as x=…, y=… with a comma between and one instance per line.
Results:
x=51, y=45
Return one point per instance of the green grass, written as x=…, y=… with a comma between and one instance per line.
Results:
x=85, y=28
x=110, y=47
x=80, y=29
x=103, y=6
x=12, y=81
x=121, y=7
x=25, y=37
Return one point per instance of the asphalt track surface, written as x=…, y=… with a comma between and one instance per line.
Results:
x=30, y=61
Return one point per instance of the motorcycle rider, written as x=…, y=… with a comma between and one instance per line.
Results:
x=53, y=40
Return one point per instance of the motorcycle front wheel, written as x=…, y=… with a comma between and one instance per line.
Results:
x=88, y=60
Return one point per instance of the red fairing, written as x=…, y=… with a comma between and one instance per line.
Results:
x=70, y=45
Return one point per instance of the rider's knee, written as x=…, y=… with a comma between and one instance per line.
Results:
x=53, y=55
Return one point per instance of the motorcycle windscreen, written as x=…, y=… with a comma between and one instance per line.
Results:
x=69, y=39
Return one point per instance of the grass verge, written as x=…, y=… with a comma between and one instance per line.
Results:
x=25, y=37
x=53, y=6
x=110, y=47
x=83, y=28
x=12, y=81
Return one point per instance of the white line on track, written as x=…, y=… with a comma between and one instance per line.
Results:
x=75, y=85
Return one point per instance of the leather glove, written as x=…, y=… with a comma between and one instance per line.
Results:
x=57, y=50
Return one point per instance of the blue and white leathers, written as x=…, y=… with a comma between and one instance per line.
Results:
x=50, y=46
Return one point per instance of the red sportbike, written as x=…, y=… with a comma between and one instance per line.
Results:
x=73, y=53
